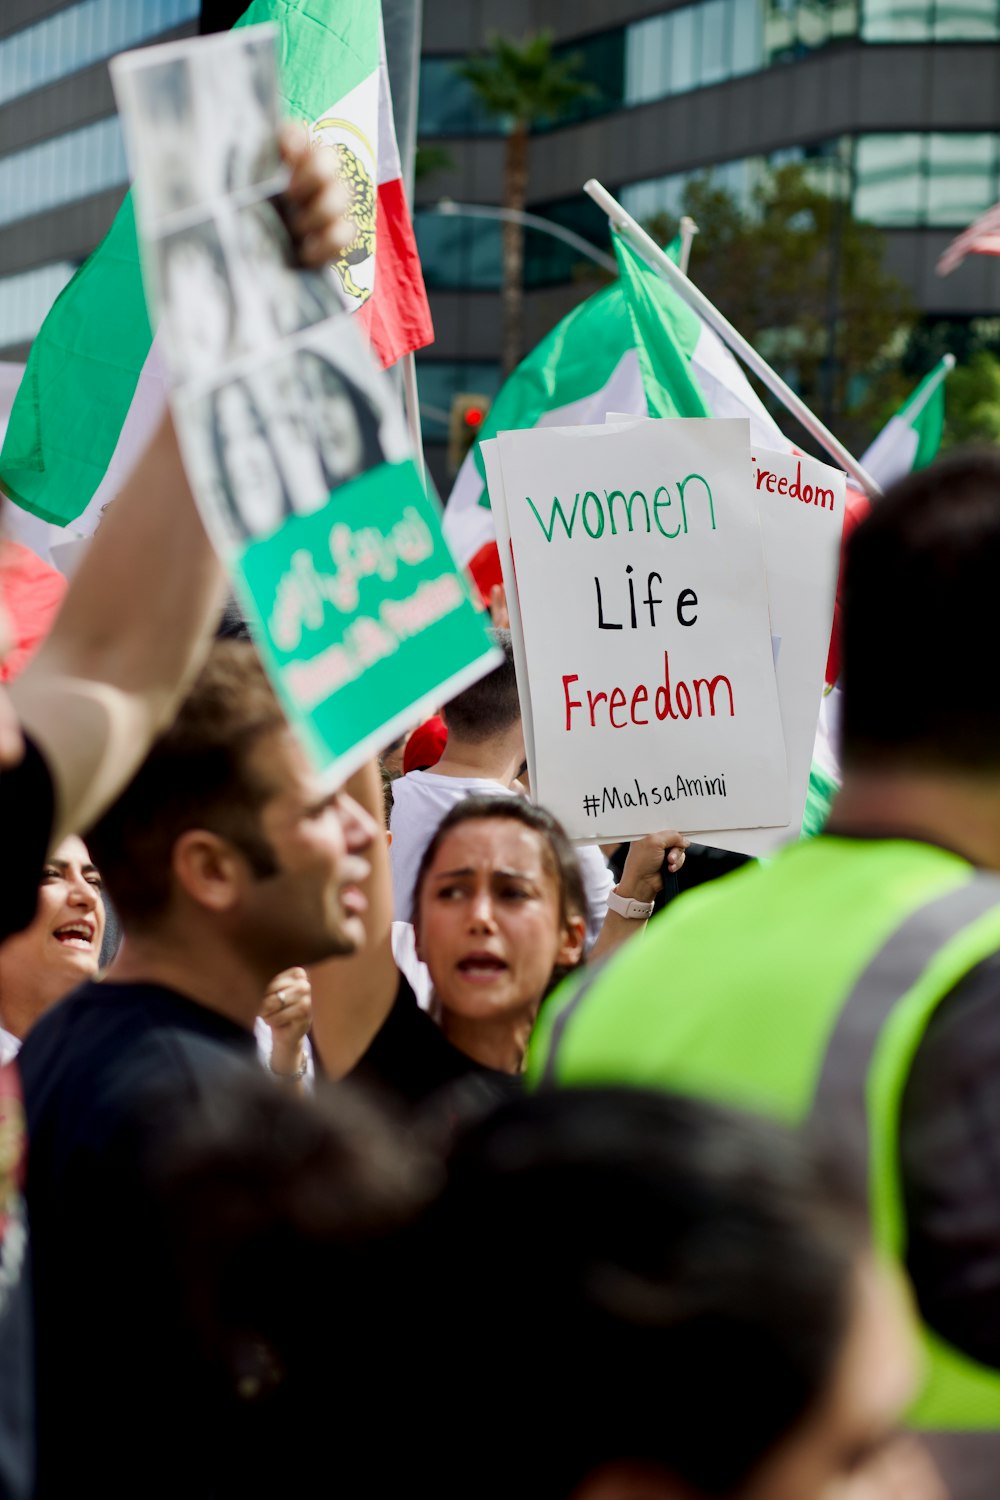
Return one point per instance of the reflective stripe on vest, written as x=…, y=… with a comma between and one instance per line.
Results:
x=841, y=1094
x=960, y=1392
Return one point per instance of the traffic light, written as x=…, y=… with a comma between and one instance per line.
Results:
x=468, y=413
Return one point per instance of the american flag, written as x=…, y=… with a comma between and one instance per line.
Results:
x=981, y=238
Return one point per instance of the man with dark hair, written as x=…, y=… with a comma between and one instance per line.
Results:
x=484, y=756
x=131, y=632
x=490, y=708
x=228, y=861
x=855, y=980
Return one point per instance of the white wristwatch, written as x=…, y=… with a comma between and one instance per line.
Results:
x=636, y=911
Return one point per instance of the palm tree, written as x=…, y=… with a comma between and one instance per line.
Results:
x=523, y=85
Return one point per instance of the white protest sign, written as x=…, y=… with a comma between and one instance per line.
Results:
x=641, y=584
x=498, y=506
x=801, y=504
x=293, y=439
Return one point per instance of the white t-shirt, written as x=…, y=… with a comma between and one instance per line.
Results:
x=10, y=1046
x=419, y=802
x=415, y=972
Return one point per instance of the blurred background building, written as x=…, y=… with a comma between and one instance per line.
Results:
x=62, y=160
x=892, y=105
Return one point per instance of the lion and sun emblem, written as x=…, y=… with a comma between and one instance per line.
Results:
x=356, y=166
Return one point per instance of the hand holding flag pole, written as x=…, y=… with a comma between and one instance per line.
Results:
x=665, y=268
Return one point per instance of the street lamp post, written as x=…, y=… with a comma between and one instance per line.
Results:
x=450, y=209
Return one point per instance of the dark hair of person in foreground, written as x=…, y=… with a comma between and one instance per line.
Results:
x=284, y=1219
x=672, y=1282
x=919, y=615
x=593, y=1279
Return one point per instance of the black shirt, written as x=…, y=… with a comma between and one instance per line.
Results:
x=27, y=806
x=411, y=1060
x=116, y=1381
x=27, y=809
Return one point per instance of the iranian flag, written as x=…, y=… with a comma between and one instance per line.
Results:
x=910, y=440
x=602, y=357
x=95, y=385
x=635, y=347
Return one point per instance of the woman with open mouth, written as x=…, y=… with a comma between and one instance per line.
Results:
x=60, y=949
x=499, y=917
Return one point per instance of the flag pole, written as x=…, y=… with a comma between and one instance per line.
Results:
x=664, y=266
x=945, y=366
x=688, y=231
x=412, y=403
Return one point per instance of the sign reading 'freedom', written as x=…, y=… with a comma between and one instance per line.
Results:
x=643, y=605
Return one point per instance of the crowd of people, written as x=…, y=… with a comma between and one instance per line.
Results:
x=378, y=1139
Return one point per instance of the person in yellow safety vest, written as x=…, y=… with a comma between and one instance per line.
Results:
x=853, y=983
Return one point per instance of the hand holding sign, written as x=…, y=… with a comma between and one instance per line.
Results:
x=293, y=439
x=649, y=667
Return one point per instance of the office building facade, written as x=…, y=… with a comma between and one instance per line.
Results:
x=895, y=103
x=62, y=160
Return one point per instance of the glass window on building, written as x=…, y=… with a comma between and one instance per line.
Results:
x=549, y=261
x=465, y=252
x=748, y=38
x=448, y=105
x=844, y=19
x=458, y=252
x=966, y=20
x=691, y=46
x=794, y=28
x=682, y=39
x=716, y=34
x=26, y=298
x=897, y=20
x=961, y=177
x=62, y=169
x=80, y=35
x=602, y=64
x=439, y=381
x=660, y=195
x=657, y=196
x=647, y=52
x=900, y=20
x=889, y=180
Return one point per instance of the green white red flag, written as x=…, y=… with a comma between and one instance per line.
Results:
x=608, y=355
x=95, y=386
x=910, y=440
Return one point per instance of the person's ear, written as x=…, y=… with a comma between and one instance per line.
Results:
x=574, y=935
x=630, y=1481
x=388, y=838
x=209, y=869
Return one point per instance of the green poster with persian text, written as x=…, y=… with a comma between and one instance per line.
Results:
x=362, y=617
x=292, y=438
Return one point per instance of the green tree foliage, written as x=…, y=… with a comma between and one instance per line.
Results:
x=522, y=85
x=805, y=282
x=972, y=394
x=972, y=401
x=430, y=159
